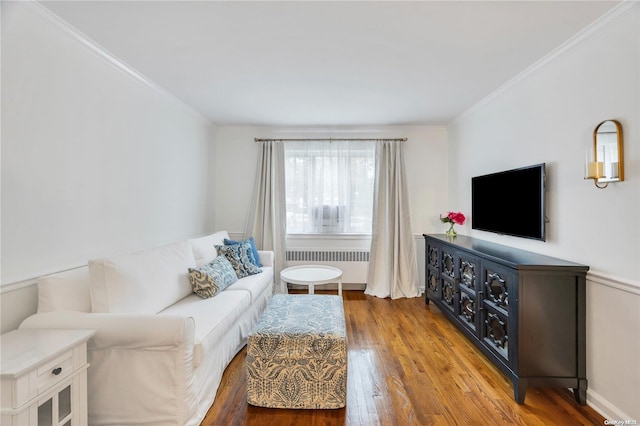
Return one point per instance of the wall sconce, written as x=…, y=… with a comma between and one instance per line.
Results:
x=604, y=160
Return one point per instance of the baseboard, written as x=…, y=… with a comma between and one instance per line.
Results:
x=605, y=408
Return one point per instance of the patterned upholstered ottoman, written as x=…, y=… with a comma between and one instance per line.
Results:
x=297, y=354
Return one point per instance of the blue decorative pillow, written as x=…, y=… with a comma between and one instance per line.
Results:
x=210, y=279
x=253, y=256
x=238, y=256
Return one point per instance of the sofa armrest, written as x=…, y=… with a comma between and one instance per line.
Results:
x=141, y=365
x=126, y=331
x=266, y=257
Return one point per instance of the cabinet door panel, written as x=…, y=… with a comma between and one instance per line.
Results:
x=447, y=278
x=467, y=269
x=448, y=268
x=433, y=258
x=496, y=288
x=64, y=403
x=433, y=284
x=448, y=294
x=433, y=287
x=496, y=333
x=499, y=326
x=468, y=272
x=467, y=306
x=45, y=413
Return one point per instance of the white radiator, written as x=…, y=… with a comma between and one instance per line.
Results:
x=353, y=263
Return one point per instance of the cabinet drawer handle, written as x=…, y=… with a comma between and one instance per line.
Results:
x=56, y=371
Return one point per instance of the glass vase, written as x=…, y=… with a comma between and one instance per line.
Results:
x=451, y=232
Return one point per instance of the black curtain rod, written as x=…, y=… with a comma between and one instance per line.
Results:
x=331, y=140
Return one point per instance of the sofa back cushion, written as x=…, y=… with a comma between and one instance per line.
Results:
x=144, y=282
x=203, y=247
x=64, y=291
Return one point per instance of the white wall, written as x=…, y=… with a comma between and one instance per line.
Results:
x=94, y=160
x=549, y=115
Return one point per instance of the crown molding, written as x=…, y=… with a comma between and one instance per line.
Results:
x=587, y=34
x=54, y=21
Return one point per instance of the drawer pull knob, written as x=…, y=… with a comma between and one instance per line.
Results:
x=56, y=371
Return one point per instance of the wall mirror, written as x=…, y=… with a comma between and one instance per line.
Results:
x=605, y=158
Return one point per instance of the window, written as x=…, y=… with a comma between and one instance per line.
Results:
x=329, y=186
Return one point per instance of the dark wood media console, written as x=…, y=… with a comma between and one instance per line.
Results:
x=524, y=311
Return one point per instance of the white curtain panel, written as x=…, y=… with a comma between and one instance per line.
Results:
x=329, y=186
x=393, y=267
x=267, y=216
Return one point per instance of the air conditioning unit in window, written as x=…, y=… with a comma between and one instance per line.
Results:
x=328, y=219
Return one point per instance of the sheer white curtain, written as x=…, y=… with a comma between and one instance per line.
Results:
x=393, y=268
x=329, y=186
x=267, y=221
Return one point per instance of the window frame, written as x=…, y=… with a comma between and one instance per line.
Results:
x=312, y=153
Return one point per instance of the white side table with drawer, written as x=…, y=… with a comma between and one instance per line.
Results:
x=44, y=377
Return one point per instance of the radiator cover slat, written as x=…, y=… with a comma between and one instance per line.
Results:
x=327, y=256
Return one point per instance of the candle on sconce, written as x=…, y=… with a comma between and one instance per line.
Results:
x=599, y=169
x=594, y=169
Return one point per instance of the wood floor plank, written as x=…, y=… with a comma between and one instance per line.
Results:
x=407, y=365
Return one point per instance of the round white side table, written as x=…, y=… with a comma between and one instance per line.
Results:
x=312, y=275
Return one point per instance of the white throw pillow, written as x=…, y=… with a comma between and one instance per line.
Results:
x=203, y=247
x=64, y=291
x=144, y=282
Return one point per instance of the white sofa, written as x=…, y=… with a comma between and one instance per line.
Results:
x=160, y=350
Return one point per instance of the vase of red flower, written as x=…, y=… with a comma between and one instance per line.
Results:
x=452, y=218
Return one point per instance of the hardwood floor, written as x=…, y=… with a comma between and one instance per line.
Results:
x=407, y=366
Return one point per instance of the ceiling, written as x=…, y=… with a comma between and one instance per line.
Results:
x=330, y=63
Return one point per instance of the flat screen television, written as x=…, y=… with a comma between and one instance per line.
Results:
x=510, y=202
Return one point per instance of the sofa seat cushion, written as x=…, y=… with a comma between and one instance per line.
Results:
x=144, y=282
x=213, y=317
x=254, y=284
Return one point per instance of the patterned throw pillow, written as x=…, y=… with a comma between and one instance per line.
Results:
x=210, y=279
x=238, y=256
x=253, y=254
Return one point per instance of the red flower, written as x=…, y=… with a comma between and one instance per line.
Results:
x=453, y=217
x=457, y=217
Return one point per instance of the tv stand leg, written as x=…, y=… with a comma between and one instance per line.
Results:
x=580, y=393
x=520, y=389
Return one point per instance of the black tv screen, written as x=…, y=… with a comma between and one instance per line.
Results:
x=510, y=202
